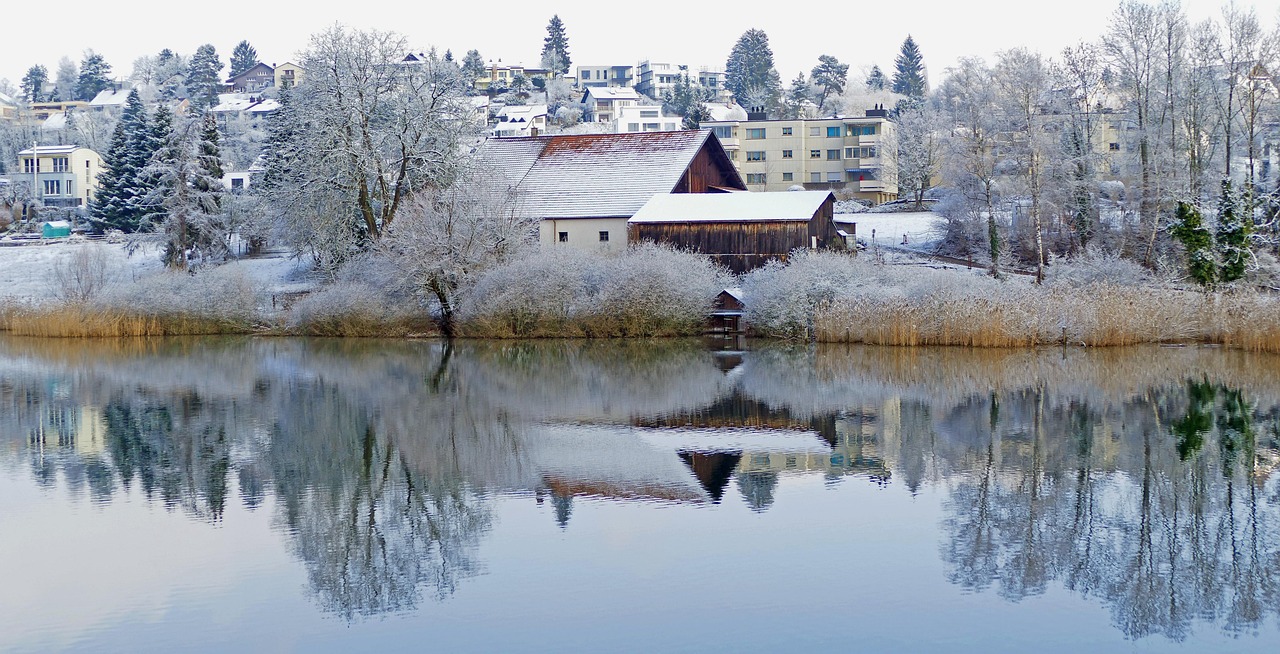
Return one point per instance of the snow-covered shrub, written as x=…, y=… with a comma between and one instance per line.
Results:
x=83, y=274
x=357, y=308
x=1096, y=265
x=782, y=298
x=220, y=299
x=650, y=290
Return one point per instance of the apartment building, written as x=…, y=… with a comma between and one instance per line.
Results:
x=840, y=154
x=646, y=119
x=64, y=175
x=603, y=102
x=615, y=76
x=657, y=79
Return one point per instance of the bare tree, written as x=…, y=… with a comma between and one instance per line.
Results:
x=1022, y=79
x=918, y=155
x=82, y=275
x=968, y=95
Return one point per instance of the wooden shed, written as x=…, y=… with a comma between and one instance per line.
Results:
x=728, y=313
x=741, y=231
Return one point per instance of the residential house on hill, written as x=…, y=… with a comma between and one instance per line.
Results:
x=620, y=76
x=259, y=77
x=64, y=175
x=109, y=100
x=603, y=102
x=740, y=231
x=8, y=108
x=288, y=75
x=646, y=119
x=584, y=187
x=520, y=120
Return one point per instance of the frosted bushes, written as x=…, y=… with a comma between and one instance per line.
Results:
x=649, y=291
x=782, y=298
x=370, y=297
x=223, y=297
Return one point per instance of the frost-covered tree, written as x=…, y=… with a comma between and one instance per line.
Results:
x=973, y=153
x=688, y=100
x=909, y=77
x=749, y=72
x=1197, y=244
x=831, y=75
x=918, y=156
x=64, y=84
x=33, y=83
x=119, y=202
x=555, y=48
x=203, y=79
x=797, y=101
x=1022, y=82
x=243, y=57
x=95, y=76
x=876, y=80
x=1079, y=75
x=472, y=67
x=1231, y=239
x=188, y=170
x=448, y=237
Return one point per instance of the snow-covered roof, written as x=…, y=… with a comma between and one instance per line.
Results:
x=4, y=99
x=110, y=98
x=266, y=106
x=54, y=122
x=721, y=111
x=52, y=149
x=732, y=207
x=514, y=113
x=250, y=102
x=593, y=175
x=598, y=93
x=57, y=224
x=736, y=292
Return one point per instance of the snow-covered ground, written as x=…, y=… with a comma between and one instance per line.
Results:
x=28, y=272
x=920, y=227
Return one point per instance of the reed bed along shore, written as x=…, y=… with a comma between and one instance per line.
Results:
x=1094, y=315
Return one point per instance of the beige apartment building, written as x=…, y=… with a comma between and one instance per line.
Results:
x=840, y=154
x=62, y=175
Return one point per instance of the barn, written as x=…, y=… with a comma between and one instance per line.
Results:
x=584, y=187
x=741, y=231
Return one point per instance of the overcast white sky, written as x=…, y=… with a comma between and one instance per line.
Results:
x=857, y=33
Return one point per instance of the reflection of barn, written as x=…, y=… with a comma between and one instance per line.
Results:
x=740, y=231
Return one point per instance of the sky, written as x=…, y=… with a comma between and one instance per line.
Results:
x=856, y=33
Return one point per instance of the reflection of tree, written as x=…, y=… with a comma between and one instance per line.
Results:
x=1161, y=521
x=758, y=488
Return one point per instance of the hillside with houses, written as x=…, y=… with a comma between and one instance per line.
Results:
x=418, y=187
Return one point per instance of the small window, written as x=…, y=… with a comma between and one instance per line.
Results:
x=815, y=178
x=28, y=166
x=815, y=154
x=755, y=133
x=633, y=127
x=651, y=127
x=586, y=74
x=787, y=177
x=604, y=237
x=564, y=237
x=833, y=155
x=786, y=154
x=786, y=131
x=723, y=131
x=835, y=177
x=648, y=113
x=849, y=153
x=52, y=187
x=755, y=178
x=815, y=131
x=1114, y=147
x=237, y=183
x=61, y=164
x=757, y=155
x=833, y=132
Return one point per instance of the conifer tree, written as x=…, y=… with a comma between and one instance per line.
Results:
x=189, y=192
x=1232, y=237
x=243, y=57
x=203, y=81
x=555, y=48
x=1197, y=242
x=909, y=76
x=94, y=77
x=749, y=72
x=118, y=203
x=472, y=67
x=797, y=97
x=831, y=75
x=280, y=146
x=876, y=80
x=33, y=83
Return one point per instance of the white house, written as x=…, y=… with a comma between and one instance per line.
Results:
x=603, y=102
x=521, y=120
x=646, y=119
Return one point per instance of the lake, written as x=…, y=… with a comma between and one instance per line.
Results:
x=233, y=494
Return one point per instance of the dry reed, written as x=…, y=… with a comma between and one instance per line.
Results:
x=76, y=320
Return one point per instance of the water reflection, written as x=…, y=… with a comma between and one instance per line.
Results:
x=1144, y=479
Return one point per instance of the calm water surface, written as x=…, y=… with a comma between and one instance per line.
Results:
x=283, y=495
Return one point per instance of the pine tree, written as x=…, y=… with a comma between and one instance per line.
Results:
x=797, y=97
x=65, y=81
x=1190, y=230
x=243, y=57
x=118, y=203
x=909, y=76
x=203, y=81
x=448, y=55
x=190, y=194
x=94, y=76
x=280, y=148
x=687, y=100
x=555, y=48
x=472, y=67
x=749, y=72
x=876, y=80
x=831, y=75
x=33, y=83
x=1232, y=237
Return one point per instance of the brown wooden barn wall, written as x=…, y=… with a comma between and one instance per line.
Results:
x=705, y=171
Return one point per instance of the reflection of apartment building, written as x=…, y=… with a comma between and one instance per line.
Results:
x=64, y=175
x=841, y=154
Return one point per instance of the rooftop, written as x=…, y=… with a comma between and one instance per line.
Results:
x=110, y=98
x=732, y=207
x=52, y=149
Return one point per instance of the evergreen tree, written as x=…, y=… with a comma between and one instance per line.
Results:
x=203, y=81
x=119, y=201
x=448, y=55
x=33, y=83
x=1232, y=237
x=688, y=100
x=64, y=85
x=243, y=57
x=876, y=80
x=555, y=48
x=797, y=97
x=1190, y=230
x=280, y=148
x=472, y=67
x=831, y=75
x=909, y=76
x=189, y=192
x=749, y=72
x=94, y=76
